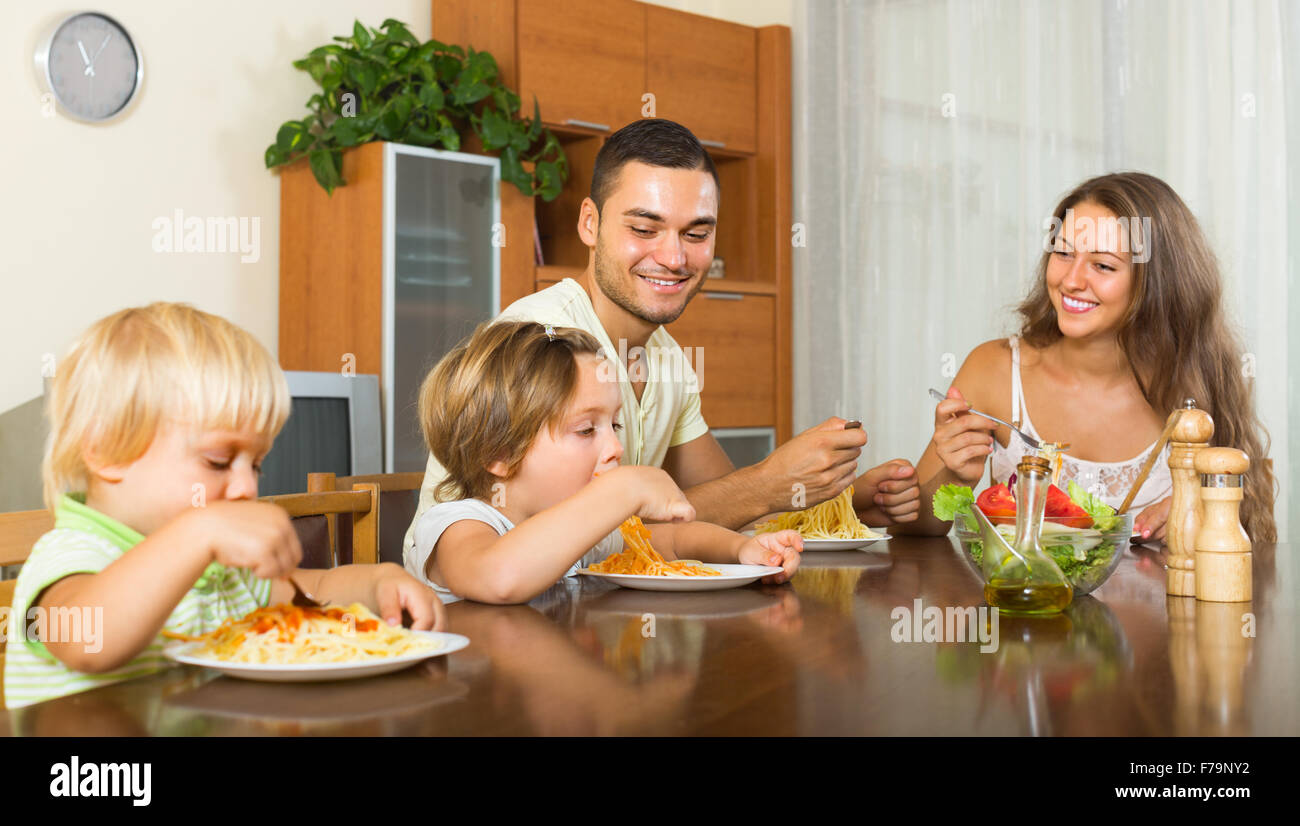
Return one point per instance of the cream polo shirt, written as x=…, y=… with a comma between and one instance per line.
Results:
x=667, y=415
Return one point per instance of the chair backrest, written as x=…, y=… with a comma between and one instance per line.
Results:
x=400, y=495
x=361, y=504
x=18, y=533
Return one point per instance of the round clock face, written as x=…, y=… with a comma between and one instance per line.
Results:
x=92, y=66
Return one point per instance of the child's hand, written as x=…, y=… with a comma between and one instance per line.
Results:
x=396, y=590
x=253, y=535
x=659, y=497
x=779, y=548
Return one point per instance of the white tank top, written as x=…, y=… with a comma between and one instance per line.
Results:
x=1108, y=480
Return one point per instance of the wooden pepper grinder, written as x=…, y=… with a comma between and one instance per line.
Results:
x=1190, y=435
x=1223, y=556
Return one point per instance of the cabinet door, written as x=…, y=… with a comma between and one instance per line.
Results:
x=733, y=351
x=702, y=74
x=442, y=275
x=584, y=60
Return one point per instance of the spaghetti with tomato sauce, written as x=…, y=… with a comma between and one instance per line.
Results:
x=293, y=635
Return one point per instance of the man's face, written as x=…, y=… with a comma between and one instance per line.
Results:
x=655, y=239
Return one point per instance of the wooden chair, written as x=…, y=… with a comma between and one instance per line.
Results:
x=400, y=497
x=361, y=503
x=18, y=533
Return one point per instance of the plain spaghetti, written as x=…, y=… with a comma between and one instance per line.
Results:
x=832, y=519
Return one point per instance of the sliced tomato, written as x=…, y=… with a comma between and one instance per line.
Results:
x=998, y=505
x=1062, y=510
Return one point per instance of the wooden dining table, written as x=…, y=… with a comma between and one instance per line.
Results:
x=833, y=652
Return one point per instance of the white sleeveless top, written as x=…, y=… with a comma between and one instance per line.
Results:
x=1108, y=480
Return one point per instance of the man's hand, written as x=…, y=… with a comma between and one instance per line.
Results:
x=822, y=460
x=888, y=494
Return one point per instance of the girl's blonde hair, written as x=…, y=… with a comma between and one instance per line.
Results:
x=136, y=369
x=489, y=397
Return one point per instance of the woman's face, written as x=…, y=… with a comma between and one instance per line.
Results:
x=1090, y=272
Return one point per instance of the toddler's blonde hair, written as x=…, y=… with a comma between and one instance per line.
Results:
x=140, y=367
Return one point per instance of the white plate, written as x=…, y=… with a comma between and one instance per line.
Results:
x=317, y=672
x=733, y=576
x=842, y=544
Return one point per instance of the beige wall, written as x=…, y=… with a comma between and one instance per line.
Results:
x=77, y=220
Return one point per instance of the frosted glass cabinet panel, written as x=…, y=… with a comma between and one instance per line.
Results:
x=441, y=276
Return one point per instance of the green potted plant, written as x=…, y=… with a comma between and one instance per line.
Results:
x=384, y=84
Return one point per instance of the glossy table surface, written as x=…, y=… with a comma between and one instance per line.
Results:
x=827, y=654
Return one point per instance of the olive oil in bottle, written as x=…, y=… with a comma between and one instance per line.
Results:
x=1027, y=581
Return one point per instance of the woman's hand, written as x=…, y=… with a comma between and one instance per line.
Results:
x=1152, y=521
x=962, y=440
x=780, y=548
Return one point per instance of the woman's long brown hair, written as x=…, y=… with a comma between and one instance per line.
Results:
x=1175, y=335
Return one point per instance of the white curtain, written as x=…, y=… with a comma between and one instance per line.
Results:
x=932, y=137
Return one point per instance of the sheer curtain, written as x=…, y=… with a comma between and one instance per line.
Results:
x=932, y=137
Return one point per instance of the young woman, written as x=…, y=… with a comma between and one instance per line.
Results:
x=1124, y=322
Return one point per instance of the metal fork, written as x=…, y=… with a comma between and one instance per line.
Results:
x=1030, y=440
x=301, y=598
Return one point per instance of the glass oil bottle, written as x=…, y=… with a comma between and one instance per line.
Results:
x=1027, y=581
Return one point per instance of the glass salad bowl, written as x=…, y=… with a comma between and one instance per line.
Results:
x=1087, y=556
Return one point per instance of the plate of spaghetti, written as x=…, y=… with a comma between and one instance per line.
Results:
x=640, y=566
x=287, y=643
x=831, y=526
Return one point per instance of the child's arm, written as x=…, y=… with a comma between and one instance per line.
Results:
x=138, y=591
x=386, y=589
x=711, y=543
x=478, y=564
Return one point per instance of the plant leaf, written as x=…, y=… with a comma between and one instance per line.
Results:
x=323, y=167
x=360, y=36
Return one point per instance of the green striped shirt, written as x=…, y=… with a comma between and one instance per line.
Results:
x=85, y=541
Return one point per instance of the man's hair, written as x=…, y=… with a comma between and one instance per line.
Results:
x=652, y=141
x=135, y=370
x=488, y=398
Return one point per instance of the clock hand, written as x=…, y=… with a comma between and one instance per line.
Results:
x=101, y=46
x=90, y=70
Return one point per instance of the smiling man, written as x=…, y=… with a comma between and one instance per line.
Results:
x=649, y=222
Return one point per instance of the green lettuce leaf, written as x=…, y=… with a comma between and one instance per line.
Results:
x=951, y=500
x=1103, y=515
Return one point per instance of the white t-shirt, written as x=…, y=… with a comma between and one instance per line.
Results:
x=668, y=413
x=430, y=526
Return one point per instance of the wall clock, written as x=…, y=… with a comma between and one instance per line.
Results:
x=91, y=65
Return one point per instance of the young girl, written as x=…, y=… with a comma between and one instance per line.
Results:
x=1119, y=329
x=159, y=419
x=524, y=421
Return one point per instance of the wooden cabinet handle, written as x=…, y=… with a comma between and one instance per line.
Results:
x=714, y=144
x=726, y=296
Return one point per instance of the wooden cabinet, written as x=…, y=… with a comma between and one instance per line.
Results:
x=702, y=73
x=732, y=348
x=584, y=60
x=591, y=61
